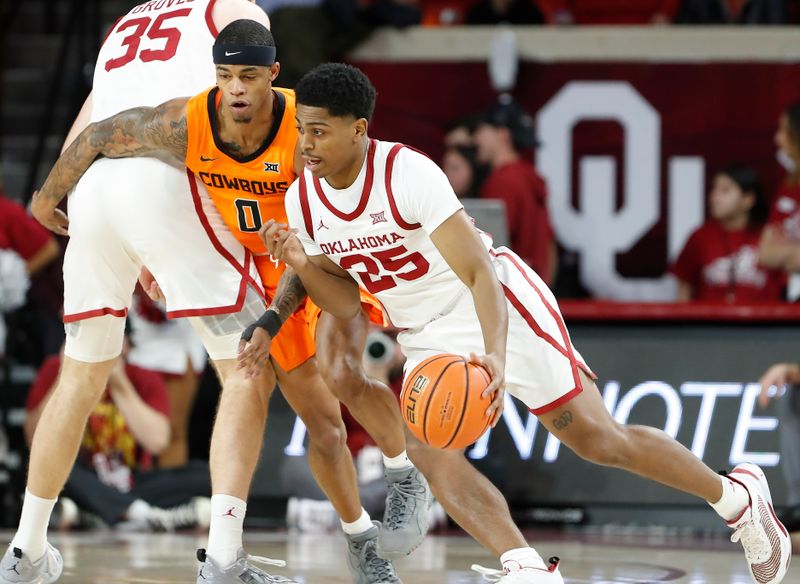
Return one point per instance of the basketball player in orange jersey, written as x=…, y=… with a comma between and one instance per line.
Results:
x=122, y=214
x=239, y=140
x=394, y=225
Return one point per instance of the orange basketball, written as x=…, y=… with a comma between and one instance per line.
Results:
x=441, y=401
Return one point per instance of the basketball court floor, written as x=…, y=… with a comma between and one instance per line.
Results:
x=596, y=558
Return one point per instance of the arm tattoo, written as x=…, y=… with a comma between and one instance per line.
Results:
x=289, y=295
x=140, y=131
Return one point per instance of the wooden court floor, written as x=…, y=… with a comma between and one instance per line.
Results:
x=109, y=558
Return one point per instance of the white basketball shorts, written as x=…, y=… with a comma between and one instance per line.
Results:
x=128, y=213
x=541, y=363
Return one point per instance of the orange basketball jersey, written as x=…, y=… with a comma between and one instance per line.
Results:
x=247, y=191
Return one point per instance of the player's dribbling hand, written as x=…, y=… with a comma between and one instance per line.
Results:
x=496, y=390
x=49, y=215
x=254, y=348
x=282, y=243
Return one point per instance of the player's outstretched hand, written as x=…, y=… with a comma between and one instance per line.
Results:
x=778, y=375
x=48, y=214
x=496, y=390
x=254, y=348
x=282, y=243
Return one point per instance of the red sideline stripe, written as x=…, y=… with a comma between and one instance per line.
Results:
x=122, y=312
x=368, y=180
x=392, y=204
x=304, y=207
x=215, y=310
x=210, y=19
x=697, y=311
x=566, y=350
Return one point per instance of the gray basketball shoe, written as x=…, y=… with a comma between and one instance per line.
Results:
x=239, y=572
x=405, y=520
x=17, y=568
x=365, y=565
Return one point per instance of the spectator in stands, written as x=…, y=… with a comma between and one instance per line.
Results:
x=458, y=163
x=459, y=132
x=780, y=243
x=24, y=242
x=720, y=260
x=114, y=477
x=504, y=132
x=785, y=378
x=609, y=11
x=505, y=11
x=172, y=349
x=328, y=29
x=732, y=12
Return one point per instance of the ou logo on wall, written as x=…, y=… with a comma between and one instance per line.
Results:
x=597, y=230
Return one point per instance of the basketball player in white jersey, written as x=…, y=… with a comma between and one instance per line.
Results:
x=242, y=412
x=129, y=213
x=383, y=215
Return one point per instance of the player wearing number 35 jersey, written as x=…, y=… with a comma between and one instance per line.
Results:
x=385, y=216
x=238, y=141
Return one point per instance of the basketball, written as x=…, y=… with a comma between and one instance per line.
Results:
x=442, y=404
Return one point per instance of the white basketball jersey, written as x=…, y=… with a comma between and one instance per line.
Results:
x=378, y=229
x=158, y=51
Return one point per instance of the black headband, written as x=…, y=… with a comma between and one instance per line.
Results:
x=244, y=55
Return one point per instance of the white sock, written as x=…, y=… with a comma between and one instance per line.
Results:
x=734, y=500
x=31, y=535
x=397, y=462
x=225, y=531
x=139, y=511
x=360, y=525
x=520, y=558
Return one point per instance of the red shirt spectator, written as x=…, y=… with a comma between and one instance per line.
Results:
x=525, y=195
x=721, y=265
x=610, y=11
x=780, y=243
x=23, y=234
x=106, y=431
x=720, y=260
x=506, y=129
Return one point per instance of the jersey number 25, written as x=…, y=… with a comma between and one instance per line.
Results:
x=392, y=260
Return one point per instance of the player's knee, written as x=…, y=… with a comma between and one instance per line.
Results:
x=326, y=436
x=346, y=380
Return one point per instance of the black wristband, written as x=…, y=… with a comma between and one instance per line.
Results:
x=270, y=321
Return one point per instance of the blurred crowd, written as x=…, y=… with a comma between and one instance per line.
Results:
x=329, y=28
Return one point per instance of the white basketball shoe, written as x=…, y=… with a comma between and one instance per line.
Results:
x=549, y=575
x=766, y=542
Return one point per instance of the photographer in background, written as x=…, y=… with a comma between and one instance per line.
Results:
x=785, y=377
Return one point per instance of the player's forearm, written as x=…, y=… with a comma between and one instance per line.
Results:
x=149, y=427
x=337, y=296
x=289, y=295
x=490, y=305
x=68, y=169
